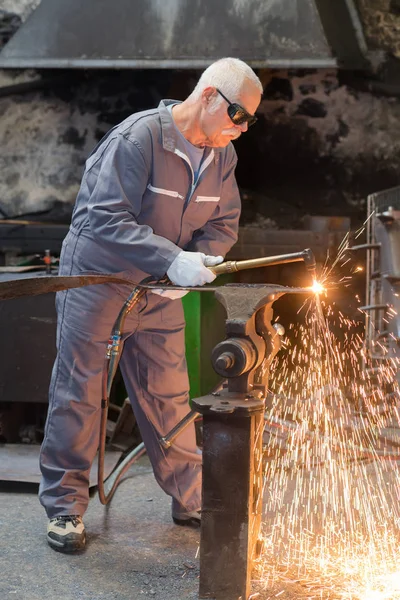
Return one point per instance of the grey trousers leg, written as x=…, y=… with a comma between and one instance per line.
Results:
x=154, y=369
x=153, y=344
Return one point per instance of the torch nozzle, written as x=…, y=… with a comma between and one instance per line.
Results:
x=309, y=261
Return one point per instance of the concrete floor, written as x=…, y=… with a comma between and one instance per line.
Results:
x=134, y=550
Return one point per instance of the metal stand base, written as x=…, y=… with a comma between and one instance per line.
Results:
x=232, y=495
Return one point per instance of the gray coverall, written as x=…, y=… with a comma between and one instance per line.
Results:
x=137, y=207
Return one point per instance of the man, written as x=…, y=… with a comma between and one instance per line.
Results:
x=158, y=196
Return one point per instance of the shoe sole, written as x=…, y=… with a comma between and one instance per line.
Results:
x=73, y=544
x=194, y=523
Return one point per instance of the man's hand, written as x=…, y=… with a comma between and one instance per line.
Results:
x=190, y=268
x=171, y=294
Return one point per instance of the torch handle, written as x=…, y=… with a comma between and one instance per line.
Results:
x=231, y=266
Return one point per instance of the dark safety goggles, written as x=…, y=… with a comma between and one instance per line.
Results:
x=237, y=114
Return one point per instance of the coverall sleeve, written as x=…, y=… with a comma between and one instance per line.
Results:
x=118, y=179
x=220, y=232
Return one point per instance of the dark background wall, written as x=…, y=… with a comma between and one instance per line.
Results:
x=324, y=140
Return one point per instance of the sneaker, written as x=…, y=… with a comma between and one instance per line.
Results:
x=66, y=534
x=190, y=519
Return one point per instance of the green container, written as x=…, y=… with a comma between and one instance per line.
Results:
x=205, y=327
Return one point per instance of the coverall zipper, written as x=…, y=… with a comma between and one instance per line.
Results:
x=203, y=167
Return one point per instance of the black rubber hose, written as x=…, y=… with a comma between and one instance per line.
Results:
x=107, y=488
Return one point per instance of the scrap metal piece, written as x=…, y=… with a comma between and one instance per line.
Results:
x=35, y=285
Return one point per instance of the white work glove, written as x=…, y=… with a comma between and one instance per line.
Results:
x=171, y=294
x=190, y=268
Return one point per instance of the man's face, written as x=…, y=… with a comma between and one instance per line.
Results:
x=217, y=126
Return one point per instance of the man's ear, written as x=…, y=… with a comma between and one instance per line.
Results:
x=207, y=95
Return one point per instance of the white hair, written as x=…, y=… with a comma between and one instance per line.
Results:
x=229, y=75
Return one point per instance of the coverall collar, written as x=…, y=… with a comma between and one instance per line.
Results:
x=170, y=140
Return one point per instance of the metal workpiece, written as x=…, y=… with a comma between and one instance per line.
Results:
x=35, y=285
x=233, y=424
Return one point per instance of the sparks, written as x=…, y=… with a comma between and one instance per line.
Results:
x=317, y=287
x=332, y=481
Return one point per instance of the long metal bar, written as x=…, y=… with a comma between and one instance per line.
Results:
x=371, y=307
x=370, y=266
x=123, y=63
x=365, y=246
x=34, y=286
x=167, y=440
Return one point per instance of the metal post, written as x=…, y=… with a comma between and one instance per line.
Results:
x=232, y=501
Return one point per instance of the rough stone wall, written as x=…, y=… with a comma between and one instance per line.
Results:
x=46, y=135
x=381, y=21
x=322, y=146
x=43, y=142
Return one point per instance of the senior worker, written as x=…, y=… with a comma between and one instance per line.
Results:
x=158, y=196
